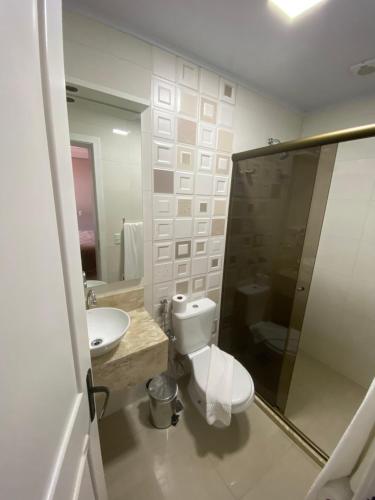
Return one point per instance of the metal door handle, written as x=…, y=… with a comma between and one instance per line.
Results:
x=95, y=389
x=300, y=288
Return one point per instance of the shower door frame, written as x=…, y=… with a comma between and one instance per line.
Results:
x=330, y=138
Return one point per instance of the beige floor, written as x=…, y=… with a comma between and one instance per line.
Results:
x=321, y=402
x=251, y=460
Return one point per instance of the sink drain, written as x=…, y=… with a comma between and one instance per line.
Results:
x=96, y=342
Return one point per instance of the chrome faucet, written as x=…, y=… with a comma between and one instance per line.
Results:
x=90, y=298
x=84, y=280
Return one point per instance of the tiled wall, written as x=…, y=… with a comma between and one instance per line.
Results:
x=197, y=118
x=339, y=326
x=192, y=143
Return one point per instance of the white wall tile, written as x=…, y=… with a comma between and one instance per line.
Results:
x=206, y=161
x=164, y=205
x=199, y=266
x=163, y=272
x=163, y=94
x=216, y=246
x=163, y=251
x=147, y=213
x=187, y=103
x=201, y=227
x=207, y=135
x=184, y=182
x=187, y=73
x=163, y=154
x=163, y=229
x=164, y=124
x=209, y=83
x=227, y=91
x=162, y=291
x=220, y=186
x=203, y=184
x=225, y=115
x=213, y=280
x=182, y=269
x=183, y=228
x=163, y=64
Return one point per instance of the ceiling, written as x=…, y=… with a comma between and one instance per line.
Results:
x=304, y=62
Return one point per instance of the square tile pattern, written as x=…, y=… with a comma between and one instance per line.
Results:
x=250, y=460
x=192, y=142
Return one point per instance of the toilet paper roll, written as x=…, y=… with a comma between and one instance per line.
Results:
x=179, y=303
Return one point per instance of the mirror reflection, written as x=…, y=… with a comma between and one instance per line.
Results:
x=106, y=160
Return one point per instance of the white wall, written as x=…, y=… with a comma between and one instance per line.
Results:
x=120, y=62
x=339, y=326
x=345, y=115
x=121, y=169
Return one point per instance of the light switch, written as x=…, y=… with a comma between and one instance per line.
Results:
x=117, y=238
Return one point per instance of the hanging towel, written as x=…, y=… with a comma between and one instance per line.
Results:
x=353, y=460
x=219, y=387
x=133, y=250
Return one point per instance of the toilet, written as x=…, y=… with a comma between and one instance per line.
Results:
x=266, y=333
x=192, y=329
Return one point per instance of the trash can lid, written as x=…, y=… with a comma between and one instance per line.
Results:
x=162, y=388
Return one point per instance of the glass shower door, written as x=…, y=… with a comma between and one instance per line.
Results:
x=269, y=260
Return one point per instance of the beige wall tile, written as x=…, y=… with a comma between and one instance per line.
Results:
x=224, y=140
x=217, y=227
x=186, y=131
x=163, y=181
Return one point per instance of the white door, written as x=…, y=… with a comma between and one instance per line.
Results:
x=49, y=449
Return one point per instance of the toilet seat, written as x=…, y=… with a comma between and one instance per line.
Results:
x=243, y=386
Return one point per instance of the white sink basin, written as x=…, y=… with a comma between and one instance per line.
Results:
x=106, y=326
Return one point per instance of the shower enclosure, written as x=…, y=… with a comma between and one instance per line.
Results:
x=277, y=208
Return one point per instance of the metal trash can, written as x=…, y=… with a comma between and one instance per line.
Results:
x=164, y=405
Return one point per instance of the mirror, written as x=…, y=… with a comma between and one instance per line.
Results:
x=106, y=162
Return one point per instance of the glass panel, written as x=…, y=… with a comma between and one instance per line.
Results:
x=335, y=361
x=269, y=209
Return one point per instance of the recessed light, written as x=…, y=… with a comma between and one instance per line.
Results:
x=294, y=8
x=120, y=131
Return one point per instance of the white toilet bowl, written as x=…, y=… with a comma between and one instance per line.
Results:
x=242, y=390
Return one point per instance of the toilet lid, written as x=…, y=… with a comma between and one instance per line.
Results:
x=243, y=387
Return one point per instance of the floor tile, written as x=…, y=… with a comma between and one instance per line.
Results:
x=194, y=461
x=289, y=479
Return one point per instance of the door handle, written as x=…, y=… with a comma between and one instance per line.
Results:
x=91, y=391
x=300, y=288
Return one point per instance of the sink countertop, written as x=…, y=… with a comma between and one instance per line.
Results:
x=141, y=354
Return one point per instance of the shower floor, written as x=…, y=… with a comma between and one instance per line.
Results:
x=251, y=460
x=321, y=402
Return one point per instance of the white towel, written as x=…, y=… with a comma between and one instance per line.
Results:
x=219, y=387
x=133, y=250
x=354, y=457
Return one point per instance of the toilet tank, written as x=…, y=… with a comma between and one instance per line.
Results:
x=193, y=327
x=256, y=301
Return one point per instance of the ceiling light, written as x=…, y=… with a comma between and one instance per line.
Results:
x=120, y=131
x=294, y=8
